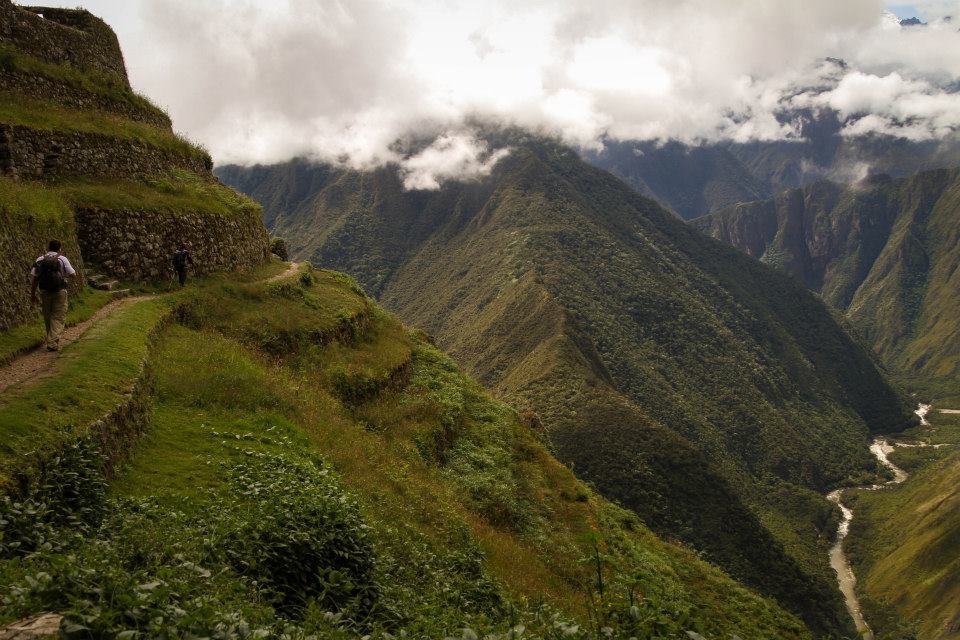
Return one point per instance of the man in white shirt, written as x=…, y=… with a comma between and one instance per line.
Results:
x=50, y=274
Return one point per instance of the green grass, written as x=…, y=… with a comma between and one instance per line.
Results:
x=34, y=201
x=463, y=516
x=48, y=116
x=91, y=379
x=92, y=374
x=89, y=80
x=27, y=336
x=177, y=192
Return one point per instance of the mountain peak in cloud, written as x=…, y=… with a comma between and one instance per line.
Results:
x=344, y=81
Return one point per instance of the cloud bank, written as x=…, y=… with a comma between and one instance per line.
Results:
x=352, y=81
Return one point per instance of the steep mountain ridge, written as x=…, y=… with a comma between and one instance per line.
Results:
x=688, y=180
x=694, y=180
x=706, y=392
x=884, y=251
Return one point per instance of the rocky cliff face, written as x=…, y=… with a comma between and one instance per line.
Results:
x=885, y=251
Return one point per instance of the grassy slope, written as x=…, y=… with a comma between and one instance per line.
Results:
x=682, y=379
x=886, y=253
x=177, y=191
x=83, y=80
x=48, y=116
x=908, y=304
x=903, y=542
x=470, y=521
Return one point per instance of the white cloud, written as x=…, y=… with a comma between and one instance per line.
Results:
x=452, y=155
x=345, y=80
x=889, y=105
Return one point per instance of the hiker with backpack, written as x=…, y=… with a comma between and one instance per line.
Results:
x=181, y=260
x=50, y=275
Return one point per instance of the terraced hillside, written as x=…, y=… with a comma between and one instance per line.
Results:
x=709, y=394
x=279, y=457
x=886, y=252
x=85, y=159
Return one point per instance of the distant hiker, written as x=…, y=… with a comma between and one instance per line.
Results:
x=181, y=260
x=50, y=274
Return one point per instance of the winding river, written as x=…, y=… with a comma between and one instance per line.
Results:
x=838, y=559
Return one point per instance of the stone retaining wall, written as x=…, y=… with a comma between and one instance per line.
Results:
x=73, y=36
x=27, y=153
x=137, y=245
x=20, y=244
x=72, y=97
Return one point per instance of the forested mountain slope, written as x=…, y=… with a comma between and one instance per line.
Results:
x=694, y=180
x=708, y=393
x=885, y=251
x=688, y=180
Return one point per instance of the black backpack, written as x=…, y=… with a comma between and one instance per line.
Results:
x=180, y=260
x=50, y=274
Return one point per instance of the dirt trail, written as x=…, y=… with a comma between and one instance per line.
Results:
x=292, y=269
x=39, y=362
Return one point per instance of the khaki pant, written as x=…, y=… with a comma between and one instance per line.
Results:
x=53, y=304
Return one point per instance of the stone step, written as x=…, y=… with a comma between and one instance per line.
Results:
x=44, y=625
x=104, y=285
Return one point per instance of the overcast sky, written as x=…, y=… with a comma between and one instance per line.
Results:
x=266, y=81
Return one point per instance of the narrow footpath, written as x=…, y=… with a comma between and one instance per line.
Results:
x=38, y=362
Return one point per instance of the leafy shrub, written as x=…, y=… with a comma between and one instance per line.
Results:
x=285, y=539
x=69, y=495
x=299, y=535
x=306, y=278
x=278, y=247
x=7, y=60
